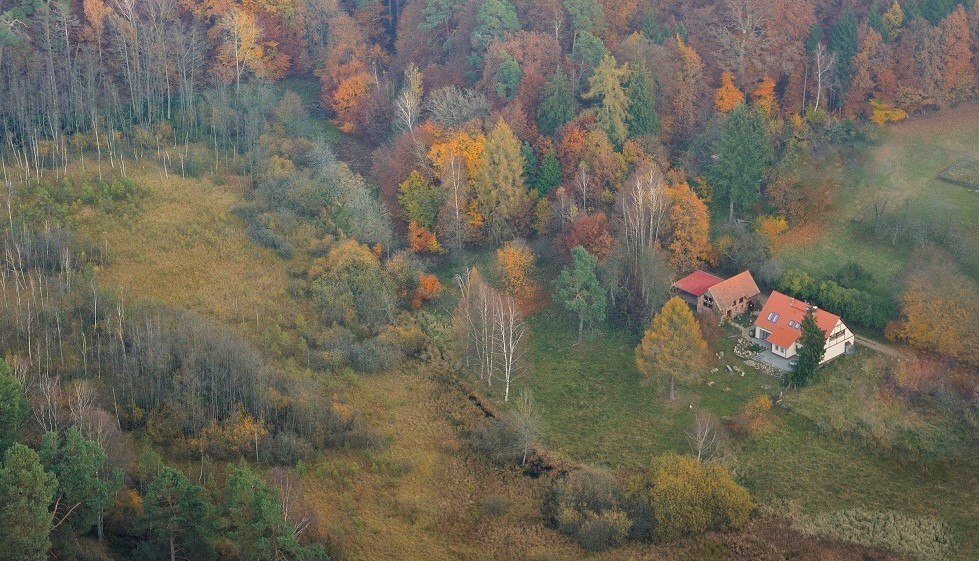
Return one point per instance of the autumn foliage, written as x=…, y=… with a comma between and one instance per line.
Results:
x=516, y=262
x=727, y=96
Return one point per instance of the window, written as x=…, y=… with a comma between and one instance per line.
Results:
x=773, y=317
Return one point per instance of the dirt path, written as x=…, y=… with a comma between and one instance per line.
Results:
x=881, y=348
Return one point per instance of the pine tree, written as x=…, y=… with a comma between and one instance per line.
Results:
x=494, y=20
x=606, y=85
x=813, y=343
x=578, y=289
x=177, y=516
x=557, y=104
x=13, y=407
x=85, y=485
x=586, y=15
x=893, y=20
x=508, y=77
x=256, y=524
x=672, y=346
x=739, y=157
x=642, y=119
x=26, y=492
x=548, y=175
x=420, y=200
x=843, y=40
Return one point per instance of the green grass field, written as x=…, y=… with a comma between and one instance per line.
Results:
x=594, y=409
x=903, y=165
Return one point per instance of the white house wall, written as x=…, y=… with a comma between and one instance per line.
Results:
x=835, y=348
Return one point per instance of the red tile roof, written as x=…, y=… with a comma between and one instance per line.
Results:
x=697, y=283
x=783, y=309
x=726, y=293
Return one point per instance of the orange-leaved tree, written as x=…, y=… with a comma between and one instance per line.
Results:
x=728, y=96
x=429, y=287
x=516, y=262
x=689, y=241
x=672, y=346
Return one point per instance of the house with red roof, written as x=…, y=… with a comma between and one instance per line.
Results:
x=726, y=298
x=779, y=324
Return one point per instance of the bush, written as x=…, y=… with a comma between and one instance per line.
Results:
x=499, y=440
x=284, y=449
x=587, y=505
x=195, y=164
x=375, y=355
x=686, y=498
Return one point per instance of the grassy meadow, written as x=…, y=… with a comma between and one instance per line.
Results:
x=594, y=409
x=904, y=165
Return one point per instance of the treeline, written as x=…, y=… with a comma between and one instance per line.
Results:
x=852, y=294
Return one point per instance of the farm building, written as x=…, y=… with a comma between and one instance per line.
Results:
x=726, y=298
x=779, y=324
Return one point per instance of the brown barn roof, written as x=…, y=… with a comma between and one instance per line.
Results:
x=726, y=293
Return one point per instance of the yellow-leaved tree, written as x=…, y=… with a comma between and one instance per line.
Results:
x=672, y=346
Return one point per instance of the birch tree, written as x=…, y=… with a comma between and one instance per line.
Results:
x=511, y=333
x=409, y=103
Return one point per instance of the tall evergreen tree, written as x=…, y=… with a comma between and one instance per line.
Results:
x=13, y=407
x=813, y=341
x=494, y=20
x=548, y=175
x=642, y=119
x=605, y=85
x=844, y=41
x=557, y=104
x=178, y=517
x=508, y=77
x=577, y=289
x=26, y=492
x=740, y=154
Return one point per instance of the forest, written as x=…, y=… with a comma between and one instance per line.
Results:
x=377, y=279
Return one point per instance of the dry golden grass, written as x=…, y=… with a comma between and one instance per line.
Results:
x=186, y=249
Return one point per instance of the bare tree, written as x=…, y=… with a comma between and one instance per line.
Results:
x=455, y=182
x=527, y=423
x=46, y=401
x=825, y=62
x=295, y=510
x=409, y=103
x=475, y=315
x=642, y=206
x=703, y=437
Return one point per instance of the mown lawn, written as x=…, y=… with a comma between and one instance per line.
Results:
x=903, y=165
x=594, y=409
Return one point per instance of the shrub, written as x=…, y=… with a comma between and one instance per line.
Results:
x=284, y=449
x=687, y=497
x=587, y=505
x=499, y=440
x=756, y=415
x=375, y=355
